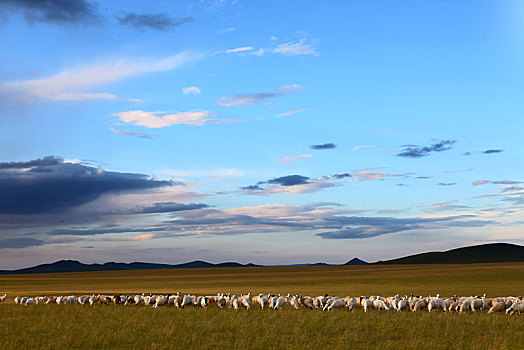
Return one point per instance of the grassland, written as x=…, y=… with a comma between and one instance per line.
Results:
x=108, y=326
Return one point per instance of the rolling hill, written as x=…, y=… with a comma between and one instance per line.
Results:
x=484, y=253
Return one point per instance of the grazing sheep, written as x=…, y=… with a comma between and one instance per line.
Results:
x=2, y=298
x=466, y=306
x=308, y=302
x=204, y=302
x=18, y=300
x=280, y=303
x=497, y=307
x=187, y=300
x=380, y=305
x=366, y=304
x=30, y=302
x=294, y=302
x=419, y=305
x=336, y=304
x=401, y=305
x=351, y=303
x=517, y=307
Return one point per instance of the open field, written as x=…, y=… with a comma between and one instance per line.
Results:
x=109, y=326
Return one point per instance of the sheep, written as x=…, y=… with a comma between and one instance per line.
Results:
x=466, y=305
x=336, y=304
x=221, y=302
x=419, y=305
x=187, y=300
x=71, y=300
x=517, y=307
x=280, y=303
x=436, y=303
x=234, y=303
x=261, y=299
x=380, y=305
x=30, y=302
x=160, y=301
x=18, y=300
x=351, y=303
x=497, y=307
x=366, y=304
x=2, y=298
x=204, y=302
x=51, y=300
x=308, y=302
x=294, y=302
x=401, y=305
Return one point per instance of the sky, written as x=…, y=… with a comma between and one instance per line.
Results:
x=264, y=132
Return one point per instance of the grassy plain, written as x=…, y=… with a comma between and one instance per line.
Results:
x=108, y=326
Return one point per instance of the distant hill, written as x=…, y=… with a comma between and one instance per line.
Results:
x=76, y=266
x=484, y=253
x=356, y=261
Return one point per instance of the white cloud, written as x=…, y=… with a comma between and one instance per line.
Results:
x=296, y=49
x=292, y=112
x=70, y=85
x=230, y=29
x=240, y=49
x=161, y=119
x=191, y=90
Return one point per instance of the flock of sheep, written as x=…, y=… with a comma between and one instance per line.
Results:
x=510, y=305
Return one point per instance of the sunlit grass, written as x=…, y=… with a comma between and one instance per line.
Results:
x=127, y=327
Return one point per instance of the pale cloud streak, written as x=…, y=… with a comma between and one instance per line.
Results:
x=70, y=84
x=292, y=112
x=297, y=48
x=247, y=99
x=361, y=147
x=289, y=159
x=161, y=119
x=132, y=133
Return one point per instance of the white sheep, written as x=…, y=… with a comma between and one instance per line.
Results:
x=517, y=307
x=380, y=304
x=2, y=298
x=30, y=302
x=280, y=303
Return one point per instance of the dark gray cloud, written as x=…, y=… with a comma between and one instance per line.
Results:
x=289, y=180
x=158, y=21
x=23, y=242
x=169, y=207
x=324, y=146
x=418, y=152
x=252, y=188
x=342, y=176
x=49, y=184
x=53, y=11
x=491, y=151
x=506, y=182
x=447, y=183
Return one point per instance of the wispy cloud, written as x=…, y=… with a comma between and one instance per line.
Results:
x=285, y=114
x=247, y=99
x=412, y=151
x=289, y=159
x=230, y=29
x=240, y=49
x=191, y=90
x=158, y=21
x=296, y=48
x=70, y=85
x=161, y=119
x=498, y=182
x=302, y=47
x=132, y=133
x=361, y=147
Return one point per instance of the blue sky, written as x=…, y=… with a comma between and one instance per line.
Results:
x=259, y=131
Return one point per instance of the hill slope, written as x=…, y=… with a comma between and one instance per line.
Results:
x=484, y=253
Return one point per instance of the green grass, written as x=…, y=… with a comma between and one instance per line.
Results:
x=109, y=326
